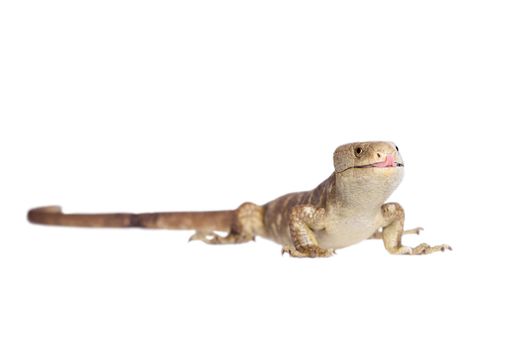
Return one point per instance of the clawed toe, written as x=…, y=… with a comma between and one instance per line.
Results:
x=308, y=252
x=427, y=249
x=286, y=250
x=207, y=237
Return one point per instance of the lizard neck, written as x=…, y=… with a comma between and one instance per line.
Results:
x=365, y=189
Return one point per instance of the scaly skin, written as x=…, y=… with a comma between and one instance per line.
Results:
x=345, y=209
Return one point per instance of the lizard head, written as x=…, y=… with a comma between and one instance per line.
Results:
x=377, y=157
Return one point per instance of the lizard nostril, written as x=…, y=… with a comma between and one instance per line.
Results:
x=378, y=155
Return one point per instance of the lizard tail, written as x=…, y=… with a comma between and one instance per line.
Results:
x=204, y=221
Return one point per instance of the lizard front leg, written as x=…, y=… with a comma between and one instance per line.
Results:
x=303, y=219
x=394, y=217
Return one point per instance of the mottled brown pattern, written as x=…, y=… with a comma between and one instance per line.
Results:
x=277, y=212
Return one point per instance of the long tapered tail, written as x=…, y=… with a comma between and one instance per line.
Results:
x=204, y=221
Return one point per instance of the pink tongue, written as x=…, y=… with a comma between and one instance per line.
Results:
x=388, y=162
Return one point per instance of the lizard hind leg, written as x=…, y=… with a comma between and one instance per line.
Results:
x=247, y=223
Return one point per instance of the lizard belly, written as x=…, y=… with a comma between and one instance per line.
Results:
x=347, y=231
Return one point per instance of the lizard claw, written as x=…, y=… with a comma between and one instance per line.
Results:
x=287, y=250
x=203, y=236
x=307, y=253
x=427, y=249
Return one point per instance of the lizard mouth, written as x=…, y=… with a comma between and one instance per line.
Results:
x=389, y=162
x=379, y=165
x=374, y=165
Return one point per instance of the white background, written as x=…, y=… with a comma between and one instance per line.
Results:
x=193, y=105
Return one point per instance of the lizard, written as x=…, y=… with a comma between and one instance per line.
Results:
x=348, y=207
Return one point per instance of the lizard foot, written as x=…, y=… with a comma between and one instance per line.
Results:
x=308, y=252
x=427, y=249
x=211, y=237
x=421, y=249
x=205, y=236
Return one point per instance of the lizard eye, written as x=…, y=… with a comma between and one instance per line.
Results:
x=358, y=151
x=397, y=148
